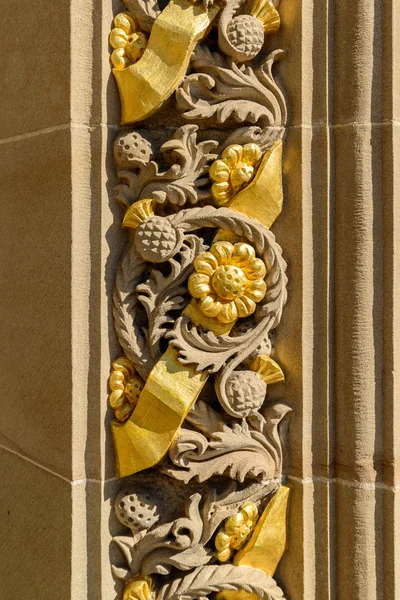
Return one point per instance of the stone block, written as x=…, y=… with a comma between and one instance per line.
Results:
x=35, y=73
x=35, y=304
x=35, y=522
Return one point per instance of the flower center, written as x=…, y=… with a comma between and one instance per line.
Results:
x=228, y=282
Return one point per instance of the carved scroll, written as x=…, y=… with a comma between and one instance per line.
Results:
x=199, y=444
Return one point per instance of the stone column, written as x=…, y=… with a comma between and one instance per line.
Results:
x=342, y=322
x=366, y=298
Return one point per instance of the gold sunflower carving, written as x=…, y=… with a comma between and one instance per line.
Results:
x=229, y=281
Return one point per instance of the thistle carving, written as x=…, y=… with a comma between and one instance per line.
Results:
x=199, y=443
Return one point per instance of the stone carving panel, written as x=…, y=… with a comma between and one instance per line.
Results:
x=199, y=443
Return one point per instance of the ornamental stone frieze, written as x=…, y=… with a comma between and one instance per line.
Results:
x=199, y=440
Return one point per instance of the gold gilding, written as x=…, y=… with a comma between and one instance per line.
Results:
x=262, y=199
x=169, y=393
x=236, y=532
x=138, y=213
x=207, y=323
x=145, y=85
x=267, y=369
x=138, y=588
x=266, y=13
x=128, y=42
x=228, y=282
x=234, y=170
x=267, y=544
x=125, y=388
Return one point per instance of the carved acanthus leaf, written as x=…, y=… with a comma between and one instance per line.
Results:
x=184, y=182
x=133, y=181
x=206, y=580
x=130, y=334
x=203, y=349
x=186, y=179
x=174, y=544
x=161, y=294
x=219, y=88
x=237, y=451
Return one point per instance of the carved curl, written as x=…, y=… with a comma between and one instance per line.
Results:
x=223, y=354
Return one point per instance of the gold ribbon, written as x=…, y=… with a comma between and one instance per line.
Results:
x=145, y=85
x=172, y=388
x=170, y=392
x=266, y=546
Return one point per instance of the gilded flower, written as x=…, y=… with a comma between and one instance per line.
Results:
x=138, y=588
x=229, y=281
x=237, y=531
x=125, y=388
x=234, y=170
x=128, y=43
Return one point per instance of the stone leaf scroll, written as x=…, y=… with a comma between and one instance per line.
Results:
x=200, y=289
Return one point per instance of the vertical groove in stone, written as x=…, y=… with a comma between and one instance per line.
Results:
x=304, y=344
x=391, y=294
x=358, y=297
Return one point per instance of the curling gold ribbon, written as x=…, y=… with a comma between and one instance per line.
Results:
x=169, y=393
x=266, y=546
x=145, y=85
x=172, y=388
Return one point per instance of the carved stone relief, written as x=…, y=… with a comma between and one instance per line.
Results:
x=201, y=287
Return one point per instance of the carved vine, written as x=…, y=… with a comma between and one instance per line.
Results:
x=198, y=292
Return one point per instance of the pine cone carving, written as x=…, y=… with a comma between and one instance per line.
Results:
x=246, y=34
x=246, y=392
x=156, y=240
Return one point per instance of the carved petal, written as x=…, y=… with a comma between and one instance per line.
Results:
x=255, y=269
x=243, y=254
x=118, y=38
x=199, y=285
x=219, y=171
x=222, y=540
x=251, y=154
x=210, y=306
x=117, y=380
x=256, y=290
x=222, y=191
x=126, y=22
x=206, y=263
x=222, y=251
x=117, y=398
x=228, y=313
x=245, y=306
x=232, y=155
x=119, y=59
